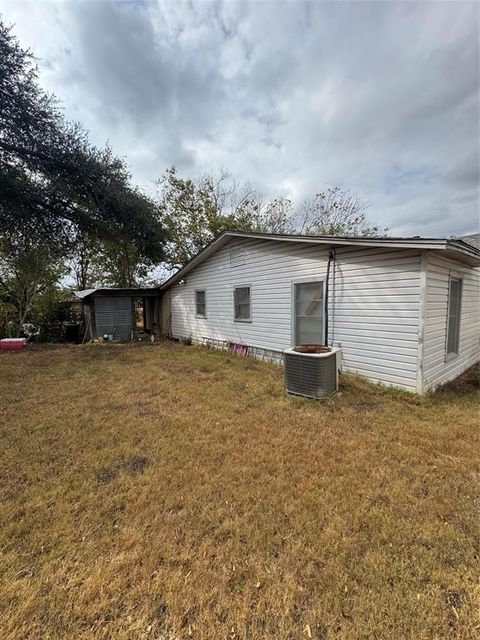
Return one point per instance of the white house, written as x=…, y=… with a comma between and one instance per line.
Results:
x=404, y=311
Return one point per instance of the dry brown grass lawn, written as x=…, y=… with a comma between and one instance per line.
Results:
x=164, y=491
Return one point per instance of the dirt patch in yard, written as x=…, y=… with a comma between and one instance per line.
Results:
x=135, y=464
x=132, y=465
x=104, y=476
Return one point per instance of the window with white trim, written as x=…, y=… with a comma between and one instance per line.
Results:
x=241, y=303
x=309, y=312
x=201, y=303
x=454, y=310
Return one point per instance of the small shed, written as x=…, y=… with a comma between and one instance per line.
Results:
x=114, y=312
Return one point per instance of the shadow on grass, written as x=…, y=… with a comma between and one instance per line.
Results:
x=465, y=386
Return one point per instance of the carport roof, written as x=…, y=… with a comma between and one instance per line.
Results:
x=132, y=291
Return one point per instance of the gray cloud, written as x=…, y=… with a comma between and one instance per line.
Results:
x=381, y=98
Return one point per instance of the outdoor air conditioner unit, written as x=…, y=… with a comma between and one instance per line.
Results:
x=311, y=370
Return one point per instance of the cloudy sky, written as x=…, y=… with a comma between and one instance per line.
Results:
x=378, y=97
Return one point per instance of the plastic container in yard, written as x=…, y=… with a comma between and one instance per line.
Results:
x=13, y=344
x=72, y=332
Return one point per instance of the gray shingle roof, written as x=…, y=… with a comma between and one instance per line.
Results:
x=473, y=240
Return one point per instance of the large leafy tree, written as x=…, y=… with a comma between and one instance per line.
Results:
x=119, y=264
x=81, y=262
x=29, y=275
x=97, y=263
x=53, y=182
x=194, y=212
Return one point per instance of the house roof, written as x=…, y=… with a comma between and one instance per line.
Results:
x=473, y=240
x=454, y=248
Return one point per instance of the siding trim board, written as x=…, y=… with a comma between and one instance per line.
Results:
x=421, y=320
x=387, y=305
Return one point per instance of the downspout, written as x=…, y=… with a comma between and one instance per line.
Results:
x=331, y=258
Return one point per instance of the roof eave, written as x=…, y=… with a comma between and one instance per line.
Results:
x=455, y=248
x=127, y=291
x=464, y=251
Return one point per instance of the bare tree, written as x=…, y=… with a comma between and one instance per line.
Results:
x=335, y=212
x=276, y=216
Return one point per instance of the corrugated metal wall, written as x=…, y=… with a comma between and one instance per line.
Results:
x=114, y=313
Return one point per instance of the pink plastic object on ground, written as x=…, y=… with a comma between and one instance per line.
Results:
x=13, y=344
x=239, y=349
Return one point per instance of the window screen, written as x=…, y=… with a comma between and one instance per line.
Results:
x=454, y=306
x=241, y=301
x=309, y=313
x=200, y=304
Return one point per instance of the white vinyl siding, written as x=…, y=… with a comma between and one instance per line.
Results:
x=375, y=317
x=440, y=367
x=373, y=311
x=237, y=254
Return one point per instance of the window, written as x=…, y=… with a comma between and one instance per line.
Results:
x=454, y=307
x=201, y=304
x=308, y=313
x=241, y=302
